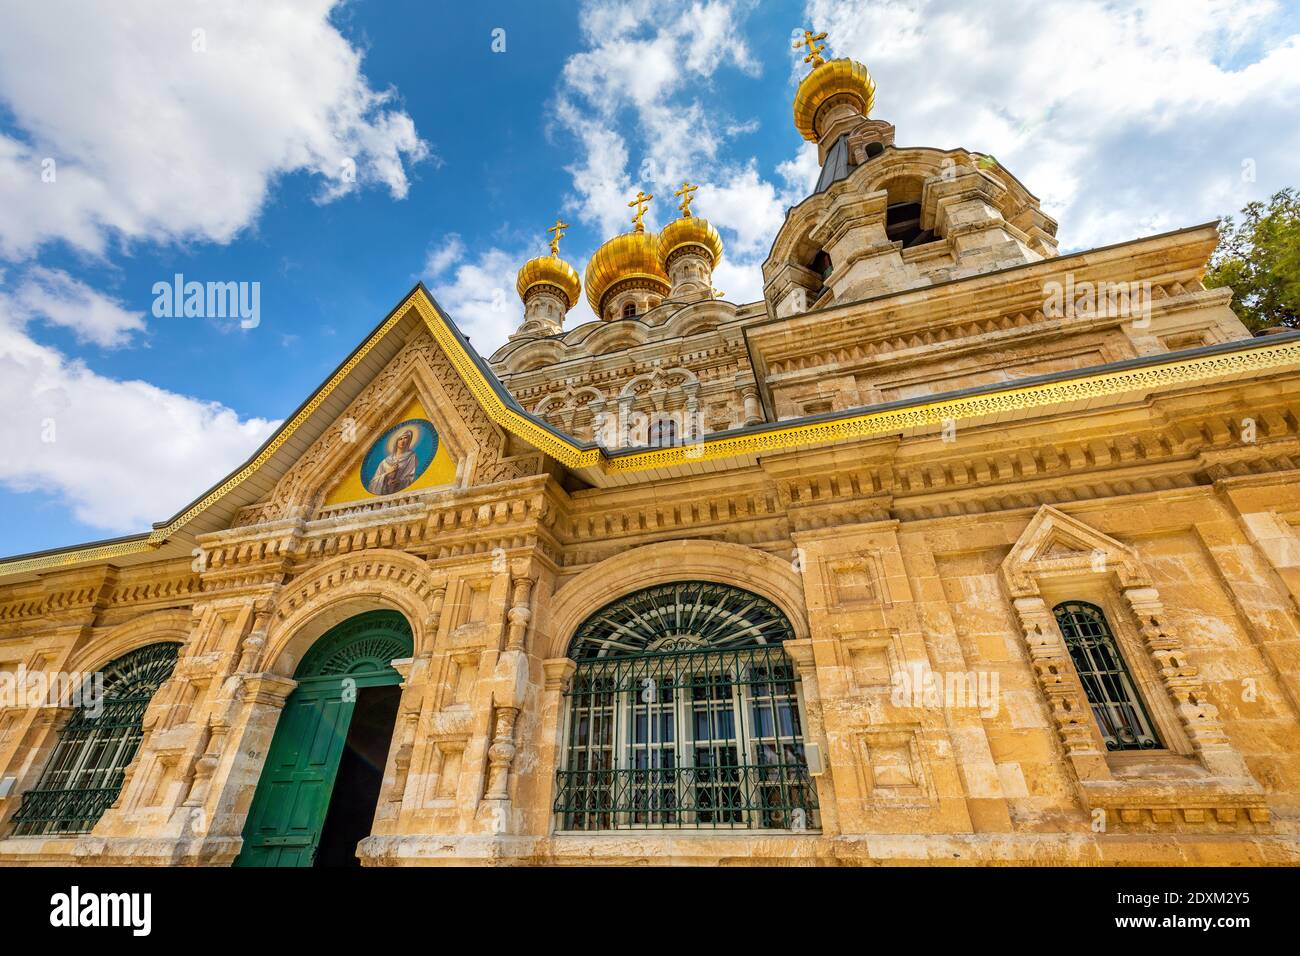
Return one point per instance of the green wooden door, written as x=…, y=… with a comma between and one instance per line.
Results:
x=293, y=794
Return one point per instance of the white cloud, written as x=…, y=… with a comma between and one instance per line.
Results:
x=120, y=130
x=56, y=297
x=443, y=254
x=122, y=454
x=747, y=205
x=801, y=173
x=1125, y=119
x=638, y=106
x=652, y=62
x=600, y=178
x=480, y=297
x=151, y=139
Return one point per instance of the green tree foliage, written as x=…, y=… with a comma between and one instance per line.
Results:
x=1259, y=259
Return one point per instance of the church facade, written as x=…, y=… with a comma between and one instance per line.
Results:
x=951, y=549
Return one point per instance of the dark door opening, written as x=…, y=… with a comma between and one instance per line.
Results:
x=351, y=812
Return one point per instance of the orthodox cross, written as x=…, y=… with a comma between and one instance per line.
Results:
x=558, y=229
x=686, y=194
x=814, y=51
x=640, y=202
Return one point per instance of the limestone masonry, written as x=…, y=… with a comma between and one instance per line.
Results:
x=949, y=550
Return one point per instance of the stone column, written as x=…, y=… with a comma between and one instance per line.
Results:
x=753, y=410
x=392, y=795
x=520, y=612
x=510, y=686
x=1050, y=659
x=558, y=675
x=501, y=754
x=1200, y=718
x=805, y=667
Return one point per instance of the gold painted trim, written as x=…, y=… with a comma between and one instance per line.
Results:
x=158, y=536
x=501, y=414
x=65, y=558
x=867, y=424
x=1181, y=372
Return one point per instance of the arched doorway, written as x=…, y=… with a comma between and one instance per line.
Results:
x=320, y=783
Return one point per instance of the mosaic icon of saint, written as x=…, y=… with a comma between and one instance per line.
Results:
x=397, y=470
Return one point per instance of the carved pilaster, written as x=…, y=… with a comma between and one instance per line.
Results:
x=414, y=673
x=520, y=612
x=501, y=754
x=1050, y=660
x=753, y=410
x=1199, y=717
x=250, y=657
x=558, y=673
x=805, y=668
x=207, y=764
x=435, y=614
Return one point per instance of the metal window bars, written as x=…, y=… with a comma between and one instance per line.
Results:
x=1116, y=703
x=694, y=738
x=85, y=773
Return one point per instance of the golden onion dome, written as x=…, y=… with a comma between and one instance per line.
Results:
x=549, y=270
x=689, y=231
x=632, y=255
x=826, y=80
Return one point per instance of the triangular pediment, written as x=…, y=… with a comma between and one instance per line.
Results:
x=415, y=427
x=1056, y=544
x=410, y=454
x=416, y=354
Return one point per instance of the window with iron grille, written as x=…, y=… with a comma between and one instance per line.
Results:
x=1116, y=703
x=684, y=712
x=85, y=773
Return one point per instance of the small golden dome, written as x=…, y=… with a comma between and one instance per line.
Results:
x=689, y=231
x=832, y=77
x=549, y=270
x=632, y=255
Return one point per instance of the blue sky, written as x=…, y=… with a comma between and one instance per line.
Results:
x=221, y=163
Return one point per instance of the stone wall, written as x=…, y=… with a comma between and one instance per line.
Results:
x=997, y=777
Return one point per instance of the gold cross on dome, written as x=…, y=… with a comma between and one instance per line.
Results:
x=686, y=194
x=558, y=229
x=814, y=51
x=640, y=202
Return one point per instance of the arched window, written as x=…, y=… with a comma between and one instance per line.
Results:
x=683, y=712
x=663, y=432
x=629, y=310
x=85, y=773
x=821, y=264
x=1116, y=704
x=903, y=212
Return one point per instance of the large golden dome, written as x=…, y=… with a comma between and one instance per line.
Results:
x=826, y=80
x=689, y=231
x=633, y=255
x=549, y=270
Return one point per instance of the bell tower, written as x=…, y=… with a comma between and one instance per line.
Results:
x=884, y=218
